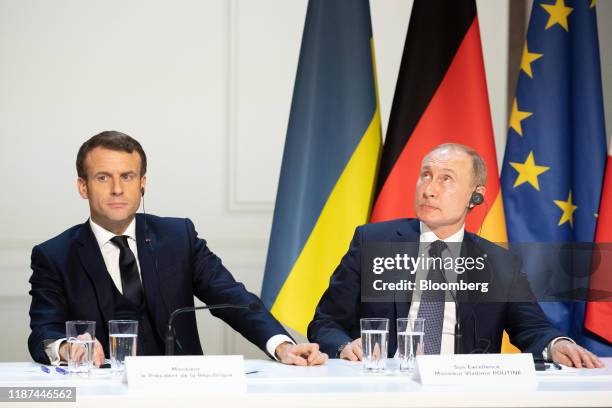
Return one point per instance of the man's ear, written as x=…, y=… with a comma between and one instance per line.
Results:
x=143, y=183
x=481, y=189
x=82, y=187
x=477, y=194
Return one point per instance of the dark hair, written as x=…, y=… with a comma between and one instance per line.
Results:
x=111, y=140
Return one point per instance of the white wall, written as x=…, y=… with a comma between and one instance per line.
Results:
x=205, y=86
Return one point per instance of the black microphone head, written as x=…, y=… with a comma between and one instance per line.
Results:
x=254, y=307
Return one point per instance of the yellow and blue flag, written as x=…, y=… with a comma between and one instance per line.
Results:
x=331, y=155
x=556, y=150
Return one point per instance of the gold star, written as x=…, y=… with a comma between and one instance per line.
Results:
x=528, y=172
x=558, y=14
x=528, y=58
x=568, y=210
x=516, y=117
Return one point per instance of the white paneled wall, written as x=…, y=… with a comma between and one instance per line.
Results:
x=205, y=85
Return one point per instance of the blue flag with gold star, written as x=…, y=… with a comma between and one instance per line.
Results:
x=555, y=155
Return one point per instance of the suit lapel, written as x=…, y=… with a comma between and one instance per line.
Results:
x=409, y=231
x=94, y=266
x=147, y=242
x=471, y=249
x=468, y=302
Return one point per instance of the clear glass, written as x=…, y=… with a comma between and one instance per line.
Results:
x=410, y=333
x=80, y=335
x=374, y=340
x=122, y=336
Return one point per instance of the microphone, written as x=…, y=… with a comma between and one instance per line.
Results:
x=170, y=339
x=171, y=336
x=458, y=329
x=458, y=332
x=479, y=349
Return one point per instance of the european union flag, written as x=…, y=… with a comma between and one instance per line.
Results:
x=556, y=150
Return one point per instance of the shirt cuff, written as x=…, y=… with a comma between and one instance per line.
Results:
x=52, y=351
x=275, y=341
x=547, y=353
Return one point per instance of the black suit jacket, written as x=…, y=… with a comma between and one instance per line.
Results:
x=483, y=318
x=70, y=282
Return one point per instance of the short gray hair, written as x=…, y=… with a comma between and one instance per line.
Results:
x=479, y=167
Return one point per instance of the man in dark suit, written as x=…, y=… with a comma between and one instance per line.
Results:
x=123, y=265
x=452, y=181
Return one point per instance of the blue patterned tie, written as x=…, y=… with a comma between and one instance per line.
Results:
x=432, y=303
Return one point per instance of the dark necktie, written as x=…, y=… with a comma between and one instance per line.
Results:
x=130, y=279
x=432, y=302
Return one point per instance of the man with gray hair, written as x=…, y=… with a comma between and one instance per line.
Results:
x=452, y=180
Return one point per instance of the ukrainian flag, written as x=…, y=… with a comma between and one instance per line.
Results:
x=330, y=159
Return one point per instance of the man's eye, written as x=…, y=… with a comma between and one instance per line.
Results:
x=128, y=177
x=102, y=178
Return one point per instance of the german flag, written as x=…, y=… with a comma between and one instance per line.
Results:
x=440, y=97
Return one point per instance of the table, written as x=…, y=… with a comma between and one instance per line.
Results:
x=339, y=383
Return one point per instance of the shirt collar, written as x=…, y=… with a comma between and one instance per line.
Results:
x=103, y=235
x=428, y=236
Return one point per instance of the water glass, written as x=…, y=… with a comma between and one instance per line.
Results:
x=374, y=339
x=122, y=341
x=80, y=335
x=410, y=333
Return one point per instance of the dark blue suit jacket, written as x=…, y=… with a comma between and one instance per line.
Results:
x=70, y=282
x=483, y=318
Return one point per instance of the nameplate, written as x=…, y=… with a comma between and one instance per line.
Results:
x=208, y=374
x=476, y=369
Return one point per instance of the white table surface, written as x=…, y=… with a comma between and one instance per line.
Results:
x=338, y=383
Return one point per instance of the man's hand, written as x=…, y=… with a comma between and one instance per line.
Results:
x=302, y=354
x=78, y=351
x=572, y=355
x=352, y=351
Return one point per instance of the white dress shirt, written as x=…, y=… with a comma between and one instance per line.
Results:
x=453, y=250
x=110, y=251
x=110, y=254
